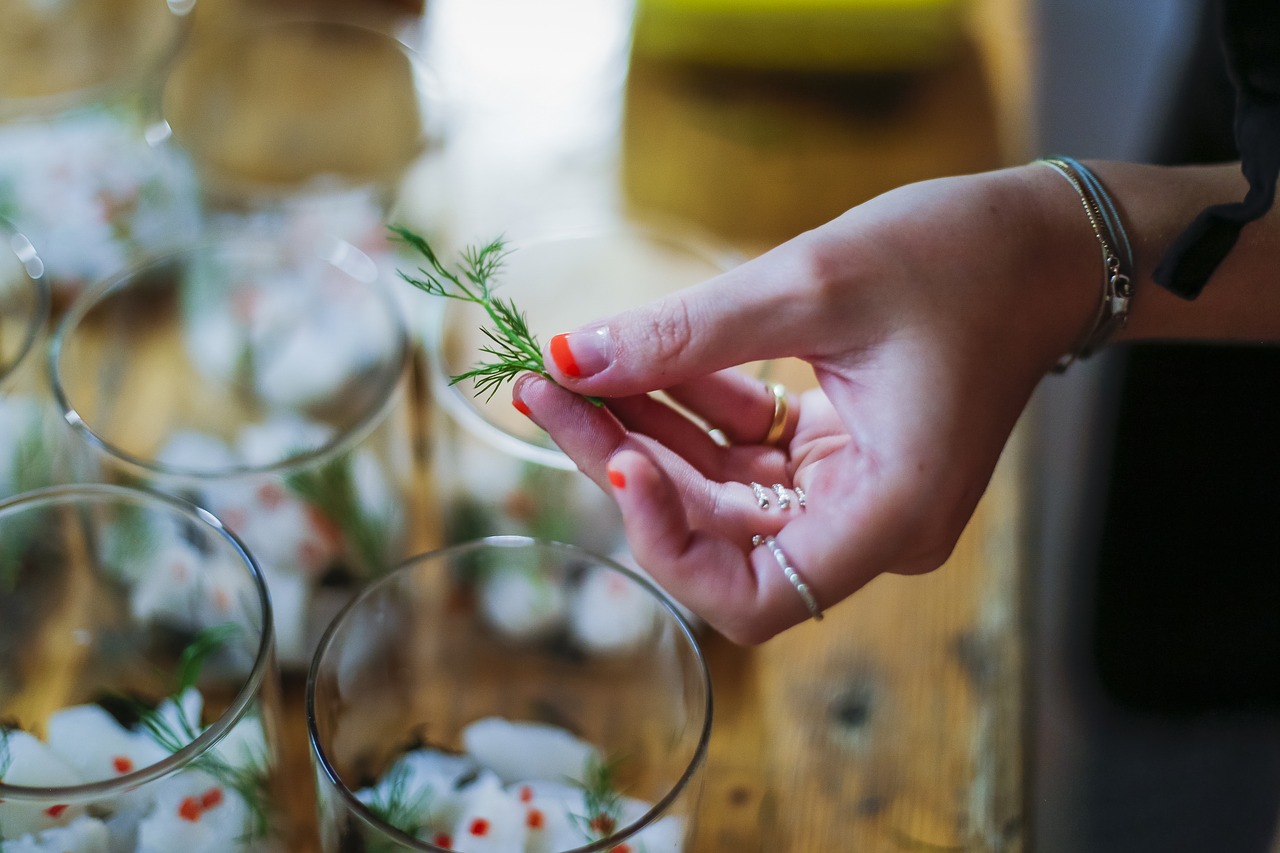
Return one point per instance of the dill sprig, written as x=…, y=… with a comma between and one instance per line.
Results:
x=331, y=489
x=250, y=781
x=600, y=798
x=393, y=804
x=513, y=347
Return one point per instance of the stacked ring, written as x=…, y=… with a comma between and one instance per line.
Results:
x=806, y=594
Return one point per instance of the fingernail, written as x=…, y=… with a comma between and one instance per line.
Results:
x=521, y=407
x=617, y=478
x=584, y=353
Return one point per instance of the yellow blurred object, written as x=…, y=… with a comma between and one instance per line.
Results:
x=801, y=35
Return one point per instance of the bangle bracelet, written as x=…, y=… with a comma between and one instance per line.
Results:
x=1117, y=258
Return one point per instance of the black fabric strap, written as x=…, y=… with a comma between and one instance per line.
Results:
x=1251, y=34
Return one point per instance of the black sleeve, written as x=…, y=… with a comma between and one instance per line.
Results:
x=1251, y=39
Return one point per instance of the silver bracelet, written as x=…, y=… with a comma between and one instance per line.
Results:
x=1117, y=259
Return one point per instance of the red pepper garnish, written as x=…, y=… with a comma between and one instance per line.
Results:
x=211, y=798
x=603, y=824
x=534, y=819
x=443, y=839
x=55, y=812
x=479, y=826
x=189, y=809
x=526, y=793
x=122, y=763
x=271, y=494
x=621, y=848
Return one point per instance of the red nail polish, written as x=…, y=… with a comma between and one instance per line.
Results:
x=618, y=479
x=563, y=356
x=521, y=407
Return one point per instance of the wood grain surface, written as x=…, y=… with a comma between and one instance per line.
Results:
x=896, y=724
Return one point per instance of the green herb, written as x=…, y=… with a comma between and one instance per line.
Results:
x=331, y=489
x=513, y=347
x=250, y=781
x=601, y=799
x=6, y=759
x=33, y=467
x=395, y=806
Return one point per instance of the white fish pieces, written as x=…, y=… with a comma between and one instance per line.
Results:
x=522, y=605
x=82, y=835
x=33, y=764
x=517, y=750
x=93, y=195
x=97, y=746
x=611, y=614
x=194, y=813
x=189, y=811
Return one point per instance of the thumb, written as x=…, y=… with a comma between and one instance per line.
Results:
x=751, y=313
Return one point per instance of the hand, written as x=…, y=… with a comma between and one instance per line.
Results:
x=928, y=315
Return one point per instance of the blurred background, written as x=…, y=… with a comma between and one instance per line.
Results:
x=1138, y=644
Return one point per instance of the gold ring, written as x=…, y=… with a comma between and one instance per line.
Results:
x=779, y=424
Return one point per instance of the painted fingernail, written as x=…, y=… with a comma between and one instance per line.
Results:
x=521, y=407
x=618, y=479
x=584, y=353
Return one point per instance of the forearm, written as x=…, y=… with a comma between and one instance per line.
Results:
x=1242, y=299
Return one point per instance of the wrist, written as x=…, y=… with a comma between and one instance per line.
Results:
x=1059, y=250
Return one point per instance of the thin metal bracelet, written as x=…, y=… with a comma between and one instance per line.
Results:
x=1117, y=258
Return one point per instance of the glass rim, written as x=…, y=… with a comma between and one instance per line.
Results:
x=650, y=816
x=263, y=656
x=345, y=439
x=426, y=80
x=29, y=258
x=452, y=397
x=150, y=66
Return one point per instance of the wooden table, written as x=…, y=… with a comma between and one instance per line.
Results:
x=898, y=722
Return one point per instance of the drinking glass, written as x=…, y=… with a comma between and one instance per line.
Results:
x=266, y=386
x=494, y=470
x=28, y=458
x=86, y=169
x=305, y=125
x=138, y=693
x=508, y=694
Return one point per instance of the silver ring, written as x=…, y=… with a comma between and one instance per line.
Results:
x=800, y=497
x=792, y=575
x=762, y=495
x=784, y=499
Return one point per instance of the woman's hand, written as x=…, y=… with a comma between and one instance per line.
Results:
x=928, y=315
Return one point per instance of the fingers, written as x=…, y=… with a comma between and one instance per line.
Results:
x=735, y=318
x=719, y=496
x=745, y=410
x=708, y=573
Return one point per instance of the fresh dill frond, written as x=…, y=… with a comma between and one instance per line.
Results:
x=394, y=804
x=249, y=781
x=600, y=798
x=331, y=488
x=513, y=347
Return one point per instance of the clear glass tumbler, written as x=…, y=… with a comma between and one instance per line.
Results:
x=484, y=697
x=139, y=698
x=494, y=471
x=266, y=386
x=86, y=168
x=28, y=426
x=306, y=125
